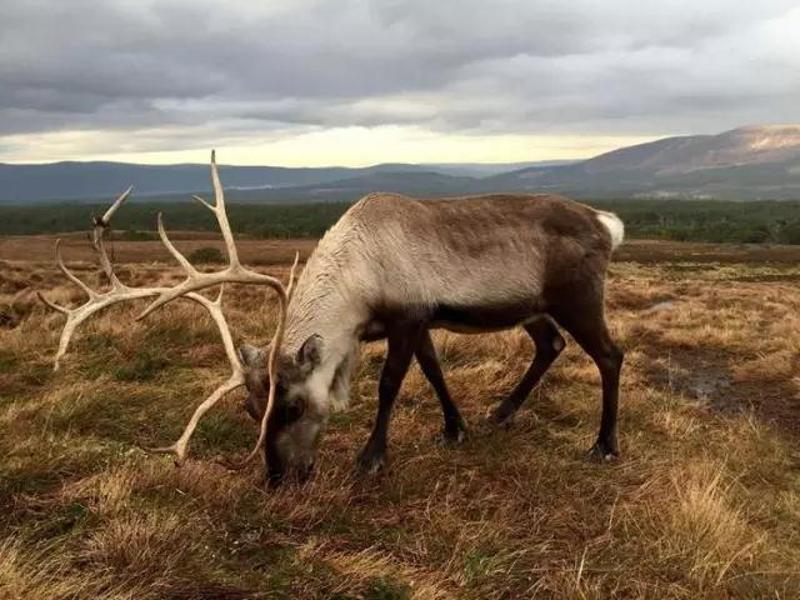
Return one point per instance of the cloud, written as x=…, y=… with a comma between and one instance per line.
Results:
x=180, y=73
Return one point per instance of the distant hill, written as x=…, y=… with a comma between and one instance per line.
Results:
x=746, y=163
x=89, y=181
x=490, y=169
x=757, y=162
x=414, y=183
x=94, y=180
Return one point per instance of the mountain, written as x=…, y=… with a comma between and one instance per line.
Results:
x=746, y=163
x=490, y=169
x=96, y=180
x=414, y=183
x=91, y=181
x=749, y=162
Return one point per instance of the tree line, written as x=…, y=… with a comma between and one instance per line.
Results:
x=699, y=221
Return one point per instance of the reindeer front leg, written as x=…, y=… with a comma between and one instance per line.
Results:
x=403, y=339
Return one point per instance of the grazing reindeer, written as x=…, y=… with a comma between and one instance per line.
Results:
x=393, y=267
x=396, y=267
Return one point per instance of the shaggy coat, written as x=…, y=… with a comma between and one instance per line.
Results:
x=395, y=267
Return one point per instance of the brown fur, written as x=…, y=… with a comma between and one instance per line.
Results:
x=395, y=267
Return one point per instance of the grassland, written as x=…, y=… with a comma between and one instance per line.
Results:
x=705, y=501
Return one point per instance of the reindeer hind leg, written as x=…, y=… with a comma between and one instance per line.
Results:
x=454, y=429
x=549, y=345
x=584, y=319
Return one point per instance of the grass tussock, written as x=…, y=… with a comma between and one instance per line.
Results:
x=704, y=503
x=138, y=546
x=38, y=573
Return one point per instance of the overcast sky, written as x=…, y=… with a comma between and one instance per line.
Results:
x=342, y=82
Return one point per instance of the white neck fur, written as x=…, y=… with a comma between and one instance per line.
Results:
x=329, y=301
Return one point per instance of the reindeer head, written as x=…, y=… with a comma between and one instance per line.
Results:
x=296, y=421
x=269, y=386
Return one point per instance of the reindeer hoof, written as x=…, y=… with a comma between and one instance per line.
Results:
x=370, y=463
x=450, y=437
x=498, y=418
x=602, y=453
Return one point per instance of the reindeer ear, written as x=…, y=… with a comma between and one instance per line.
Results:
x=310, y=353
x=252, y=356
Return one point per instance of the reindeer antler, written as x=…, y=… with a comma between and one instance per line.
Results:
x=272, y=370
x=195, y=280
x=97, y=301
x=235, y=273
x=236, y=379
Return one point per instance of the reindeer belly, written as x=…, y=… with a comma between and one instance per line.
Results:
x=480, y=319
x=459, y=318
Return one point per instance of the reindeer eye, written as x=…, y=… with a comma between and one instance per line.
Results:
x=287, y=411
x=296, y=410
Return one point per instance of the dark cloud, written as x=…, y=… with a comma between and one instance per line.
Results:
x=198, y=69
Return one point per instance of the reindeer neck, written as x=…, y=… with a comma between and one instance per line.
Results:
x=325, y=304
x=329, y=315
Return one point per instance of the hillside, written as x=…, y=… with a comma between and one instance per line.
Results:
x=746, y=163
x=64, y=180
x=98, y=180
x=749, y=163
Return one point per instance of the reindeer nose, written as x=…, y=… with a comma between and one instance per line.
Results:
x=305, y=473
x=275, y=477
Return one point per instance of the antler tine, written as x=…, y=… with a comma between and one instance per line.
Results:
x=292, y=278
x=98, y=239
x=52, y=305
x=234, y=273
x=214, y=308
x=203, y=201
x=181, y=447
x=76, y=316
x=221, y=212
x=105, y=220
x=184, y=262
x=70, y=275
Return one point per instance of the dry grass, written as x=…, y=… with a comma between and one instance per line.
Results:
x=704, y=503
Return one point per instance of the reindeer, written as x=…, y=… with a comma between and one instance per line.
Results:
x=394, y=267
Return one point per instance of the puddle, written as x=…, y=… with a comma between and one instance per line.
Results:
x=704, y=374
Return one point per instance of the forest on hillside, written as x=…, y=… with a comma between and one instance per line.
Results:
x=697, y=221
